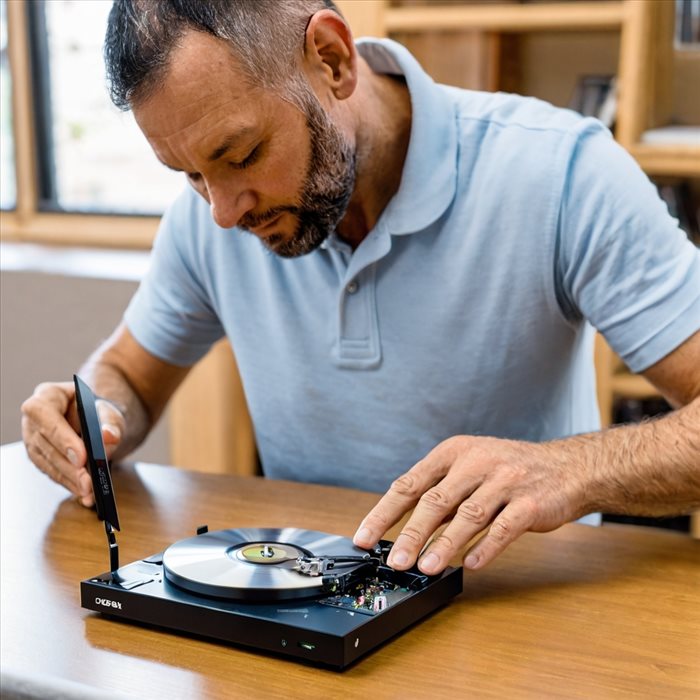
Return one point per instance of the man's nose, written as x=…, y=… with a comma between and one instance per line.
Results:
x=229, y=203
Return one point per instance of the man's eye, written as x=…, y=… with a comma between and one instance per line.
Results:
x=248, y=160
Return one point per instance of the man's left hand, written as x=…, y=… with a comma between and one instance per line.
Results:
x=474, y=484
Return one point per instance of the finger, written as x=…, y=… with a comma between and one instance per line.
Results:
x=87, y=497
x=67, y=466
x=48, y=465
x=51, y=439
x=45, y=410
x=112, y=423
x=402, y=495
x=111, y=437
x=58, y=393
x=39, y=451
x=111, y=434
x=435, y=506
x=515, y=519
x=471, y=517
x=62, y=449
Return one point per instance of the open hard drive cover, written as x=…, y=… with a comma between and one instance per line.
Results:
x=302, y=593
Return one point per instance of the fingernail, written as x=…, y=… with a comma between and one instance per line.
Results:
x=72, y=456
x=363, y=537
x=429, y=563
x=112, y=430
x=399, y=558
x=471, y=561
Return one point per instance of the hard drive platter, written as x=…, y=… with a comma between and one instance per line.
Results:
x=259, y=563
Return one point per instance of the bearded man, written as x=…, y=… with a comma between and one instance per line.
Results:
x=410, y=275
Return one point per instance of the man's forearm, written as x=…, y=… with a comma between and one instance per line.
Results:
x=652, y=468
x=135, y=382
x=508, y=487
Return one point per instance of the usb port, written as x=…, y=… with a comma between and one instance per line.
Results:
x=306, y=645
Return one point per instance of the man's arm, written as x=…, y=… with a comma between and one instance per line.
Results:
x=506, y=488
x=134, y=387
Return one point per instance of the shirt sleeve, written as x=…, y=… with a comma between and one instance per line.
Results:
x=171, y=315
x=622, y=262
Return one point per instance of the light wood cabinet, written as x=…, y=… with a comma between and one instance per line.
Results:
x=645, y=70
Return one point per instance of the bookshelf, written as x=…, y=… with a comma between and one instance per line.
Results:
x=645, y=106
x=645, y=66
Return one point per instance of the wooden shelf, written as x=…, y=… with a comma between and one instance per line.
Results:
x=675, y=160
x=645, y=65
x=633, y=386
x=575, y=16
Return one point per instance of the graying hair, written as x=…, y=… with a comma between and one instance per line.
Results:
x=266, y=37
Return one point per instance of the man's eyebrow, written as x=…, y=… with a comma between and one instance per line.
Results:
x=229, y=142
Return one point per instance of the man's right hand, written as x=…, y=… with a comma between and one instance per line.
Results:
x=50, y=430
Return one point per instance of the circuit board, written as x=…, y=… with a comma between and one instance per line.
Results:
x=368, y=597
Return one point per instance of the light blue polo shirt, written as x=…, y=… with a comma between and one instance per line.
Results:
x=468, y=309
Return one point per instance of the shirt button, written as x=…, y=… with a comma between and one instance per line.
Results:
x=352, y=287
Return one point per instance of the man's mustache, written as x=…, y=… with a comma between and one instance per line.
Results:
x=249, y=220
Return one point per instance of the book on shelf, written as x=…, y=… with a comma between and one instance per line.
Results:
x=627, y=410
x=673, y=135
x=683, y=204
x=596, y=96
x=688, y=23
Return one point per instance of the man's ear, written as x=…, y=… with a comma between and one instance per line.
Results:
x=330, y=54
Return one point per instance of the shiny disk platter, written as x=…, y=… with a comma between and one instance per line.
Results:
x=253, y=563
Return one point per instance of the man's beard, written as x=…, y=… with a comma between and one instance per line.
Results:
x=325, y=194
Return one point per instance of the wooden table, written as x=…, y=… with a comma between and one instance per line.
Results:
x=579, y=613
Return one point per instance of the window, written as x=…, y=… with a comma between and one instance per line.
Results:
x=92, y=157
x=8, y=187
x=74, y=170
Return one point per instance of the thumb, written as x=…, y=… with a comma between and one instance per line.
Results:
x=112, y=423
x=111, y=434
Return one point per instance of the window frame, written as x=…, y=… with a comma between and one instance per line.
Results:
x=27, y=222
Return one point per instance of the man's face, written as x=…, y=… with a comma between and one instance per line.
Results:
x=324, y=195
x=262, y=164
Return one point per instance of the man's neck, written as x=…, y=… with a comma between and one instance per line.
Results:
x=383, y=127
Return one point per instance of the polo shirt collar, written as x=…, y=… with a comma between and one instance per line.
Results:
x=429, y=179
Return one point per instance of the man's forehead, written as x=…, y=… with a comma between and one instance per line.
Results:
x=203, y=82
x=202, y=52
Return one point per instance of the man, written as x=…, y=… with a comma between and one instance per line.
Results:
x=423, y=267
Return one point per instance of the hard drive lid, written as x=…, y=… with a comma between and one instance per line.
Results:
x=96, y=455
